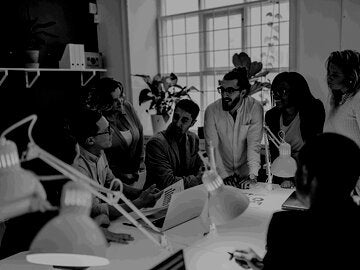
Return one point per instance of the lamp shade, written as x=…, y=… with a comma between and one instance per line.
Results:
x=71, y=239
x=284, y=165
x=225, y=202
x=17, y=186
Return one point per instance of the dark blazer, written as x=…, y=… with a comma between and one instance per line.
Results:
x=163, y=163
x=326, y=239
x=312, y=118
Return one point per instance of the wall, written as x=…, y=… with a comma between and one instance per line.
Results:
x=324, y=26
x=114, y=42
x=143, y=50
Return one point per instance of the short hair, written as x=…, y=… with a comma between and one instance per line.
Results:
x=334, y=160
x=189, y=106
x=241, y=75
x=349, y=63
x=101, y=93
x=83, y=124
x=298, y=84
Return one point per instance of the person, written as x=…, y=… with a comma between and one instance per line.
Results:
x=233, y=124
x=126, y=154
x=327, y=172
x=94, y=134
x=343, y=112
x=297, y=116
x=172, y=155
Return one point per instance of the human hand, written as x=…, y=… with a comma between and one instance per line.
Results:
x=122, y=238
x=287, y=184
x=149, y=196
x=102, y=220
x=247, y=258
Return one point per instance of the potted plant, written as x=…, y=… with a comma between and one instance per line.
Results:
x=254, y=71
x=163, y=92
x=34, y=34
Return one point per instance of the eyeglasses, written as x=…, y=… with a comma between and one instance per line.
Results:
x=108, y=131
x=281, y=93
x=229, y=90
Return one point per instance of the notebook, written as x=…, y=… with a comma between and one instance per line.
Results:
x=293, y=203
x=183, y=206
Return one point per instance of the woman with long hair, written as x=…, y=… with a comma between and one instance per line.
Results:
x=297, y=116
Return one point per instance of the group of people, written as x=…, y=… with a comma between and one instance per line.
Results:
x=108, y=139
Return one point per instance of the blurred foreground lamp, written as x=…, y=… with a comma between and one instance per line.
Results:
x=284, y=165
x=225, y=202
x=71, y=239
x=19, y=188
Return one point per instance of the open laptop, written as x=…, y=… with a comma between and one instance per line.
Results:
x=183, y=206
x=293, y=203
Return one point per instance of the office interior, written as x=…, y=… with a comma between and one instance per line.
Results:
x=126, y=33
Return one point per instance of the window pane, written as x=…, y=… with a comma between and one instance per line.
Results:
x=192, y=24
x=255, y=32
x=270, y=35
x=284, y=11
x=221, y=22
x=284, y=33
x=255, y=54
x=221, y=38
x=235, y=20
x=192, y=43
x=170, y=66
x=209, y=41
x=235, y=38
x=221, y=3
x=176, y=6
x=221, y=59
x=167, y=28
x=169, y=45
x=179, y=26
x=179, y=63
x=193, y=62
x=268, y=11
x=284, y=56
x=209, y=83
x=179, y=44
x=255, y=16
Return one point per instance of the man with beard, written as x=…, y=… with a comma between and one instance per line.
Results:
x=172, y=155
x=233, y=124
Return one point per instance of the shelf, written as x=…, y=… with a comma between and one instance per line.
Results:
x=35, y=74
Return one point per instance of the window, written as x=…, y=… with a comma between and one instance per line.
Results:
x=198, y=43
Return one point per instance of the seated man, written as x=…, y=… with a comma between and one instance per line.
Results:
x=93, y=134
x=327, y=173
x=172, y=155
x=233, y=124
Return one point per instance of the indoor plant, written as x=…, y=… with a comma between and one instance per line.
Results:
x=34, y=34
x=163, y=92
x=254, y=71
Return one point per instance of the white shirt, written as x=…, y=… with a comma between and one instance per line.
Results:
x=237, y=143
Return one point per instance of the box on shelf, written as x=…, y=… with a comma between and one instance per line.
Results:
x=73, y=57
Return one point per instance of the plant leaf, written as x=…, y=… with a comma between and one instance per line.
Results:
x=144, y=96
x=241, y=60
x=255, y=67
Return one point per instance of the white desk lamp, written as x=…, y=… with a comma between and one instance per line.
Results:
x=19, y=187
x=284, y=165
x=225, y=202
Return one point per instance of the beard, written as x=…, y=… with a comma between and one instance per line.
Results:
x=175, y=131
x=228, y=104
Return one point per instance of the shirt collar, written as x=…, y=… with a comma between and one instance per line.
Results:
x=88, y=156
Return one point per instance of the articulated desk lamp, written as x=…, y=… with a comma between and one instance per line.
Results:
x=225, y=203
x=72, y=239
x=284, y=165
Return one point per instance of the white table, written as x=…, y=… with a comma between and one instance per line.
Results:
x=210, y=252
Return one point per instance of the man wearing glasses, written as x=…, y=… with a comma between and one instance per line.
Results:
x=94, y=134
x=233, y=124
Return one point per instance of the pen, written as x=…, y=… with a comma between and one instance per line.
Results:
x=128, y=224
x=254, y=261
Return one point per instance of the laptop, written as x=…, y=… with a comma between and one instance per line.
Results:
x=183, y=206
x=293, y=203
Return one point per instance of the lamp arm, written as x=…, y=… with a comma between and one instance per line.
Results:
x=93, y=187
x=271, y=136
x=267, y=158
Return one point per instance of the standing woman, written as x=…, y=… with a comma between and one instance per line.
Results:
x=297, y=115
x=127, y=151
x=343, y=114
